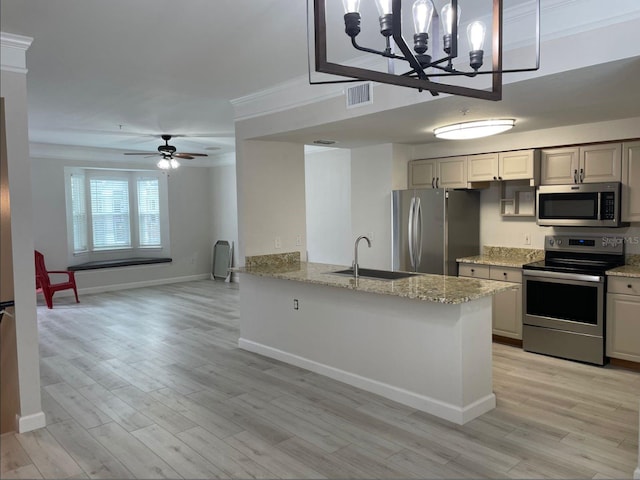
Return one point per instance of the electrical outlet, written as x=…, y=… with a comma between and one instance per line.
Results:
x=278, y=242
x=298, y=240
x=527, y=239
x=296, y=305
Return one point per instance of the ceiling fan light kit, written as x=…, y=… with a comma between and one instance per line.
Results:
x=421, y=67
x=475, y=129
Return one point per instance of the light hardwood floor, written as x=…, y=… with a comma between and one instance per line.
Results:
x=149, y=383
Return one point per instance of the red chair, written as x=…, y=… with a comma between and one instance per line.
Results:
x=44, y=285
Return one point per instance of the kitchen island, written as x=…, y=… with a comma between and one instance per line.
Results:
x=423, y=341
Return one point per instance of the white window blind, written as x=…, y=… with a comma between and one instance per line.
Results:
x=110, y=213
x=79, y=211
x=149, y=212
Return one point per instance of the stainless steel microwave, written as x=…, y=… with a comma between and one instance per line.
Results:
x=581, y=205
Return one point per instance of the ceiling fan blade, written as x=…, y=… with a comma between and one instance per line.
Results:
x=183, y=155
x=193, y=154
x=141, y=153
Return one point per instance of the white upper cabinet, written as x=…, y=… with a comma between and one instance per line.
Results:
x=422, y=173
x=483, y=167
x=438, y=173
x=588, y=164
x=631, y=181
x=516, y=165
x=452, y=173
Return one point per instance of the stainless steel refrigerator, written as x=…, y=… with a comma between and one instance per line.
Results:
x=434, y=227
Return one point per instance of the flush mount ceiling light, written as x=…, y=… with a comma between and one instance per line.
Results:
x=477, y=129
x=419, y=67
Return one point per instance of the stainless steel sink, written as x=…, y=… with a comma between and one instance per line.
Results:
x=377, y=274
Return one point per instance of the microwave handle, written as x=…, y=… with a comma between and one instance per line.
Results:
x=599, y=205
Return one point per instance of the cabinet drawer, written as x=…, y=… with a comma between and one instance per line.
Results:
x=625, y=285
x=506, y=274
x=475, y=271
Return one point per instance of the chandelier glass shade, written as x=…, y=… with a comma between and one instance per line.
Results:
x=423, y=70
x=476, y=129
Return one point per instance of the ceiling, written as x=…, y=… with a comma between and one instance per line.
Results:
x=116, y=74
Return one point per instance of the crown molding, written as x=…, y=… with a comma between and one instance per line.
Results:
x=13, y=52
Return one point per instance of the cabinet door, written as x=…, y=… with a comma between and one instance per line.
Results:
x=506, y=274
x=601, y=163
x=516, y=165
x=559, y=166
x=631, y=182
x=474, y=271
x=623, y=327
x=452, y=173
x=422, y=173
x=507, y=313
x=482, y=168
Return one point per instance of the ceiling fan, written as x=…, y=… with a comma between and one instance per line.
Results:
x=169, y=154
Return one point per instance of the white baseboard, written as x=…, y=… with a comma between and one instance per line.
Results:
x=31, y=422
x=448, y=411
x=126, y=286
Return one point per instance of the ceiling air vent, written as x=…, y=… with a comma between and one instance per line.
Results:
x=359, y=95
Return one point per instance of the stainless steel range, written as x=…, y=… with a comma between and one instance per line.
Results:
x=564, y=296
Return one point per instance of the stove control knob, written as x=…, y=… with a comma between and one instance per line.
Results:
x=551, y=242
x=559, y=242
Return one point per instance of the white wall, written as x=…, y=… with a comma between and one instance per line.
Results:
x=328, y=201
x=224, y=208
x=371, y=185
x=190, y=218
x=271, y=198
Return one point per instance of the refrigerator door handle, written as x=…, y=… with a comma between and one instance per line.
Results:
x=412, y=207
x=418, y=233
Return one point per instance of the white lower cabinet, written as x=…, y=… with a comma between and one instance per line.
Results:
x=507, y=306
x=623, y=318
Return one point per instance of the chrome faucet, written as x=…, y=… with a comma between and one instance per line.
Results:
x=355, y=266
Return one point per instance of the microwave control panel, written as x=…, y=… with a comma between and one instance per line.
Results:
x=608, y=206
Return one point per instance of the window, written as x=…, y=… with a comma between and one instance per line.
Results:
x=115, y=214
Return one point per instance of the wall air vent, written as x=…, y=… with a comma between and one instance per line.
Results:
x=359, y=95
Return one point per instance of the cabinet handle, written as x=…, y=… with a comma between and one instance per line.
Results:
x=575, y=176
x=473, y=270
x=581, y=175
x=433, y=182
x=504, y=273
x=437, y=182
x=629, y=286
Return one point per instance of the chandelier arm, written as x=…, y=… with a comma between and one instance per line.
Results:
x=457, y=73
x=377, y=52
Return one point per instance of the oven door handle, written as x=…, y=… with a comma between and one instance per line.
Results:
x=564, y=276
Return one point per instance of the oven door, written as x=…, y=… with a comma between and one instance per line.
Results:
x=564, y=301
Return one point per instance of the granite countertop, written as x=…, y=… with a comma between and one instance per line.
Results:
x=428, y=288
x=505, y=257
x=631, y=269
